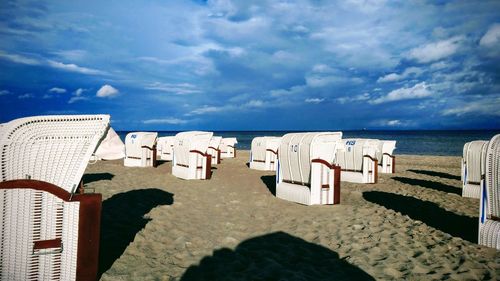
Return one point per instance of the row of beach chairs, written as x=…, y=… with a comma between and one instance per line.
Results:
x=192, y=153
x=310, y=166
x=50, y=225
x=360, y=160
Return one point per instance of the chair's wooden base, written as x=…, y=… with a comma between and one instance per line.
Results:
x=89, y=221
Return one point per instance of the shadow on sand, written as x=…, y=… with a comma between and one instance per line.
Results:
x=122, y=217
x=429, y=213
x=270, y=182
x=275, y=256
x=88, y=178
x=162, y=162
x=436, y=174
x=430, y=184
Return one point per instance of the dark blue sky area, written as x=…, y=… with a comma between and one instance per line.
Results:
x=254, y=65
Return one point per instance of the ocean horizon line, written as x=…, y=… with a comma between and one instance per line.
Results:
x=325, y=130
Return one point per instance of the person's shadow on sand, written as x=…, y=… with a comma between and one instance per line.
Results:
x=275, y=256
x=429, y=213
x=123, y=217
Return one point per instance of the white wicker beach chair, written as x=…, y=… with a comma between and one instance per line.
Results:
x=48, y=232
x=306, y=173
x=191, y=160
x=165, y=148
x=264, y=153
x=385, y=156
x=140, y=149
x=228, y=147
x=357, y=159
x=214, y=151
x=489, y=212
x=111, y=147
x=473, y=161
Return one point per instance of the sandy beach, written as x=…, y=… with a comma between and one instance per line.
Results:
x=411, y=225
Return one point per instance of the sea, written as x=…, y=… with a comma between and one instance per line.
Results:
x=432, y=142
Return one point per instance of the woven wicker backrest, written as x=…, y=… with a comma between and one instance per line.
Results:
x=492, y=175
x=55, y=149
x=474, y=159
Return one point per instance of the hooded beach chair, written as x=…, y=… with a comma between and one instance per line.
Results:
x=214, y=150
x=228, y=147
x=385, y=156
x=357, y=159
x=191, y=160
x=165, y=148
x=49, y=230
x=306, y=173
x=489, y=212
x=473, y=162
x=111, y=147
x=140, y=149
x=264, y=153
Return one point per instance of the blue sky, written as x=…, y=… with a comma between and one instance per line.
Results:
x=254, y=65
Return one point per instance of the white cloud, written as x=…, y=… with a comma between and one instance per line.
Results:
x=393, y=123
x=284, y=57
x=393, y=77
x=317, y=81
x=180, y=88
x=314, y=100
x=205, y=109
x=436, y=51
x=26, y=96
x=72, y=55
x=418, y=91
x=171, y=121
x=4, y=92
x=76, y=98
x=57, y=90
x=19, y=59
x=74, y=68
x=362, y=97
x=440, y=65
x=365, y=6
x=322, y=68
x=492, y=37
x=485, y=106
x=78, y=92
x=54, y=64
x=293, y=91
x=107, y=91
x=254, y=103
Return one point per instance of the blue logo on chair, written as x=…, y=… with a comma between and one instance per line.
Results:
x=133, y=136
